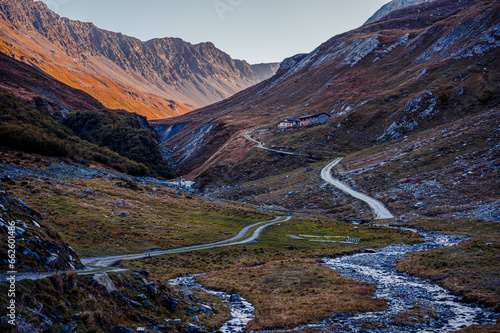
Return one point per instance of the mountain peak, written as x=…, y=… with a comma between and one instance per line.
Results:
x=393, y=6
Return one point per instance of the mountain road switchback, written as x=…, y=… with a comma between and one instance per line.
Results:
x=380, y=211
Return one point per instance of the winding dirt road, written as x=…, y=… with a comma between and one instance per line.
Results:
x=260, y=145
x=242, y=237
x=102, y=264
x=381, y=212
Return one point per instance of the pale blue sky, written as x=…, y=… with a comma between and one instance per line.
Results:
x=253, y=30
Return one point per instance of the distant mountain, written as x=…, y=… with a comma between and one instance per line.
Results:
x=393, y=6
x=265, y=71
x=431, y=69
x=158, y=78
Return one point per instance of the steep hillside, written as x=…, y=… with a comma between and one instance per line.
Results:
x=421, y=69
x=112, y=139
x=158, y=78
x=30, y=84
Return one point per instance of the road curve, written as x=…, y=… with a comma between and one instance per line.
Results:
x=380, y=211
x=236, y=240
x=102, y=264
x=261, y=146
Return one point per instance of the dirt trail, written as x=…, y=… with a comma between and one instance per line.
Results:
x=102, y=264
x=381, y=212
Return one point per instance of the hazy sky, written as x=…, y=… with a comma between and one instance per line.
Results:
x=253, y=30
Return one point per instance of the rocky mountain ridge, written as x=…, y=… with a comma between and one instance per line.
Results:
x=158, y=78
x=393, y=6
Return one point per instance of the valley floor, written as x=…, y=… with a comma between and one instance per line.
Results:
x=278, y=274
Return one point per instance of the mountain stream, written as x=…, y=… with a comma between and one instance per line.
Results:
x=443, y=312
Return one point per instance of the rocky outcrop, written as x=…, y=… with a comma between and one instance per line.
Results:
x=38, y=248
x=393, y=6
x=103, y=281
x=158, y=78
x=290, y=62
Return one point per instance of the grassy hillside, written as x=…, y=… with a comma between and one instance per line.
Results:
x=122, y=132
x=116, y=139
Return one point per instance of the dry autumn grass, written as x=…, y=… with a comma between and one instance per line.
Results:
x=470, y=269
x=281, y=276
x=292, y=292
x=116, y=216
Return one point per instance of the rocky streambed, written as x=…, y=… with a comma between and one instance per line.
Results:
x=415, y=305
x=241, y=310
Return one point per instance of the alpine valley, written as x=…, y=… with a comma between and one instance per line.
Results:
x=162, y=186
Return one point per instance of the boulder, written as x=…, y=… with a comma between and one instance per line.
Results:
x=52, y=260
x=136, y=304
x=205, y=308
x=103, y=281
x=190, y=311
x=235, y=298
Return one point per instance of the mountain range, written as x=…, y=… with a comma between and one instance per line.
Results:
x=158, y=78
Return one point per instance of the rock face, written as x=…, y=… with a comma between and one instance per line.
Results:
x=393, y=6
x=38, y=247
x=158, y=78
x=290, y=62
x=102, y=280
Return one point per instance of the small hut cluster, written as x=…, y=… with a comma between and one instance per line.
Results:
x=319, y=118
